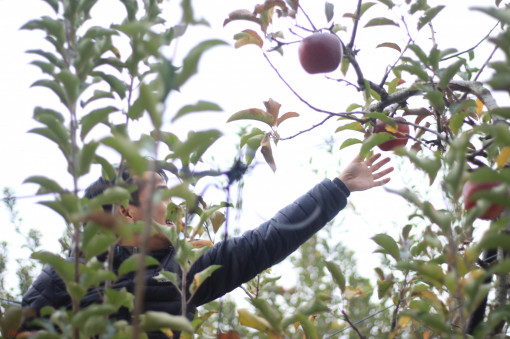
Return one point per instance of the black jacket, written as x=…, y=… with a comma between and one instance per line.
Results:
x=241, y=258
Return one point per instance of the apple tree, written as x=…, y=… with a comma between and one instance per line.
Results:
x=430, y=109
x=433, y=278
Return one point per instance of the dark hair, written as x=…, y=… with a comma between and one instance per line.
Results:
x=101, y=184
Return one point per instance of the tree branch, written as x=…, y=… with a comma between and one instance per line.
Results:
x=309, y=129
x=355, y=28
x=474, y=47
x=346, y=317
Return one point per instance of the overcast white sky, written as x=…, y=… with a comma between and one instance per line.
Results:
x=235, y=79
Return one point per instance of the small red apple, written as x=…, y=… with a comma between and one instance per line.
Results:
x=471, y=188
x=320, y=53
x=401, y=134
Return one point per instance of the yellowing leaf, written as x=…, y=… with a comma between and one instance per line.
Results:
x=390, y=45
x=426, y=335
x=403, y=321
x=286, y=116
x=273, y=108
x=479, y=107
x=265, y=148
x=168, y=332
x=198, y=243
x=247, y=37
x=351, y=292
x=251, y=320
x=503, y=156
x=391, y=129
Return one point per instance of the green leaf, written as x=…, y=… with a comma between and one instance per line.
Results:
x=98, y=94
x=353, y=126
x=430, y=166
x=337, y=274
x=271, y=314
x=171, y=277
x=502, y=15
x=419, y=53
x=54, y=87
x=414, y=69
x=110, y=196
x=51, y=26
x=329, y=11
x=436, y=100
x=11, y=321
x=148, y=99
x=388, y=244
x=195, y=146
x=63, y=268
x=118, y=86
x=103, y=310
x=253, y=114
x=98, y=244
x=129, y=151
x=45, y=67
x=350, y=142
x=52, y=58
x=154, y=321
x=190, y=63
x=388, y=3
x=503, y=112
x=383, y=117
x=374, y=140
x=47, y=185
x=94, y=277
x=428, y=16
x=200, y=277
x=95, y=117
x=495, y=240
x=200, y=106
x=108, y=171
x=131, y=263
x=383, y=287
x=85, y=157
x=381, y=22
x=119, y=298
x=70, y=84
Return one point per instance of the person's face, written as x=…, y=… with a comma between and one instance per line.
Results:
x=137, y=213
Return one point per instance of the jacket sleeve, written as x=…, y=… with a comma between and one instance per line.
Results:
x=242, y=258
x=48, y=289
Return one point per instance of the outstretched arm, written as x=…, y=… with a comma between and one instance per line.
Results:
x=362, y=175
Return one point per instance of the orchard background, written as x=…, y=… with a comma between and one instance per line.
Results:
x=428, y=280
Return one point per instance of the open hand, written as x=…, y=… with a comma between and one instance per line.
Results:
x=362, y=175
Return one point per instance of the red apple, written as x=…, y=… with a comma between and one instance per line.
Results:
x=401, y=134
x=320, y=53
x=471, y=188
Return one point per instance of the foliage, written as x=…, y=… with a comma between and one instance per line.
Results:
x=431, y=281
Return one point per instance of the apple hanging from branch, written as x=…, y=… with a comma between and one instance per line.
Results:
x=320, y=53
x=471, y=188
x=401, y=134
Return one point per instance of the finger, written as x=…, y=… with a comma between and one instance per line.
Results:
x=372, y=159
x=382, y=173
x=380, y=164
x=381, y=182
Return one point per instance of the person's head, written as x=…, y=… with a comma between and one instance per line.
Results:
x=138, y=205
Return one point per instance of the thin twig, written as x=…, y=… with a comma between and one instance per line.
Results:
x=309, y=129
x=475, y=46
x=486, y=63
x=346, y=317
x=381, y=84
x=355, y=28
x=307, y=17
